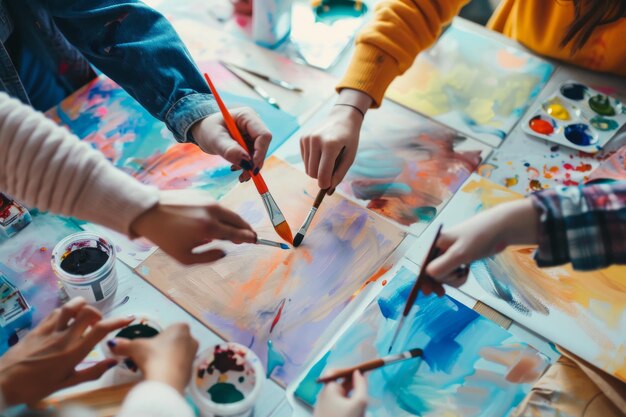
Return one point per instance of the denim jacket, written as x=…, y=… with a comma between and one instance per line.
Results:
x=128, y=41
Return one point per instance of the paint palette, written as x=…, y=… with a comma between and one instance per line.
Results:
x=577, y=116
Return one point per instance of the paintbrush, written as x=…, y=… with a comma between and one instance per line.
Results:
x=260, y=91
x=276, y=216
x=208, y=246
x=275, y=81
x=316, y=204
x=422, y=278
x=371, y=365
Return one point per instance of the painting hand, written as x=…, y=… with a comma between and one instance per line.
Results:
x=342, y=129
x=45, y=360
x=179, y=229
x=213, y=138
x=166, y=358
x=484, y=235
x=334, y=399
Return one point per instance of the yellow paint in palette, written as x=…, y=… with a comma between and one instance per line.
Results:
x=557, y=110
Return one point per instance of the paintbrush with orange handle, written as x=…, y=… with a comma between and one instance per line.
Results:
x=371, y=365
x=276, y=216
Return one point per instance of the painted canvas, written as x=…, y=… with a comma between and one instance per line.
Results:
x=407, y=167
x=104, y=115
x=475, y=81
x=25, y=261
x=585, y=312
x=470, y=365
x=280, y=302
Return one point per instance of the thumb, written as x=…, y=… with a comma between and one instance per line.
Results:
x=121, y=347
x=90, y=374
x=451, y=259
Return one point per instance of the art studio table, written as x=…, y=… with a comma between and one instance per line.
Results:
x=135, y=296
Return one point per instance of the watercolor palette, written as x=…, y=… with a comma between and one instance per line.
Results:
x=470, y=366
x=577, y=116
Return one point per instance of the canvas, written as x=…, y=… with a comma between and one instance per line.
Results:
x=475, y=81
x=585, y=312
x=25, y=261
x=407, y=167
x=470, y=365
x=105, y=116
x=280, y=302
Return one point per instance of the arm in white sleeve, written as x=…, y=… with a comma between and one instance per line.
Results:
x=155, y=399
x=45, y=166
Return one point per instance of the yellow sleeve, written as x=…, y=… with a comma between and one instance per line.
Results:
x=388, y=45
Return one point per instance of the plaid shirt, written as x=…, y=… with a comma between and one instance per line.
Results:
x=583, y=225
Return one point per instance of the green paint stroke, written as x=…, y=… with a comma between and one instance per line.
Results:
x=225, y=393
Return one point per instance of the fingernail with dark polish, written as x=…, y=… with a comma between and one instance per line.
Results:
x=256, y=171
x=111, y=343
x=245, y=165
x=233, y=168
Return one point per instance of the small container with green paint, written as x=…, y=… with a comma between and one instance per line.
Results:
x=227, y=381
x=141, y=327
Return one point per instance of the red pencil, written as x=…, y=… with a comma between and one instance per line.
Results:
x=276, y=216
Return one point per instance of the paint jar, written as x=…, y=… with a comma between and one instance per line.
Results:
x=271, y=21
x=85, y=264
x=142, y=327
x=227, y=381
x=13, y=216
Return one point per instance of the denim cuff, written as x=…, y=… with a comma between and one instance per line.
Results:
x=187, y=111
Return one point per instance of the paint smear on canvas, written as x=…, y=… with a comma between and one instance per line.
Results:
x=470, y=367
x=583, y=311
x=472, y=82
x=293, y=294
x=409, y=167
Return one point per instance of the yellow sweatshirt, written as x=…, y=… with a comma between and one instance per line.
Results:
x=402, y=28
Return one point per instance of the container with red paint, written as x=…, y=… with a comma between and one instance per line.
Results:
x=13, y=216
x=578, y=117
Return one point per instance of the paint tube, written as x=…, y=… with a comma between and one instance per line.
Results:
x=95, y=283
x=271, y=22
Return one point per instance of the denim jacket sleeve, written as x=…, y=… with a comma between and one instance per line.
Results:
x=139, y=49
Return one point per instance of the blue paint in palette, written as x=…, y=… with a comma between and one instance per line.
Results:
x=580, y=134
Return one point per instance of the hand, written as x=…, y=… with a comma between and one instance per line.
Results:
x=166, y=358
x=341, y=130
x=484, y=235
x=45, y=360
x=334, y=400
x=179, y=229
x=213, y=138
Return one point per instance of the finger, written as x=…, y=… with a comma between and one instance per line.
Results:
x=229, y=217
x=346, y=385
x=206, y=257
x=100, y=330
x=327, y=165
x=304, y=151
x=230, y=150
x=333, y=388
x=234, y=234
x=70, y=310
x=244, y=177
x=122, y=347
x=342, y=169
x=90, y=374
x=451, y=259
x=314, y=158
x=359, y=383
x=457, y=278
x=235, y=167
x=252, y=126
x=86, y=317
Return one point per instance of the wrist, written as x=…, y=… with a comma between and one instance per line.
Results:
x=141, y=225
x=356, y=98
x=163, y=373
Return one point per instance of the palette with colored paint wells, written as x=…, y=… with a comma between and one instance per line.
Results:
x=577, y=116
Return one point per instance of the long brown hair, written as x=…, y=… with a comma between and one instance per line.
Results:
x=588, y=15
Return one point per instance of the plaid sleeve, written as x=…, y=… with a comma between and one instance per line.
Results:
x=582, y=225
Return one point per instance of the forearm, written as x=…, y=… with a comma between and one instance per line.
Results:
x=45, y=166
x=155, y=399
x=387, y=46
x=139, y=49
x=585, y=226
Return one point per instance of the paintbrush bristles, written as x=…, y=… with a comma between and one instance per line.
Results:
x=284, y=232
